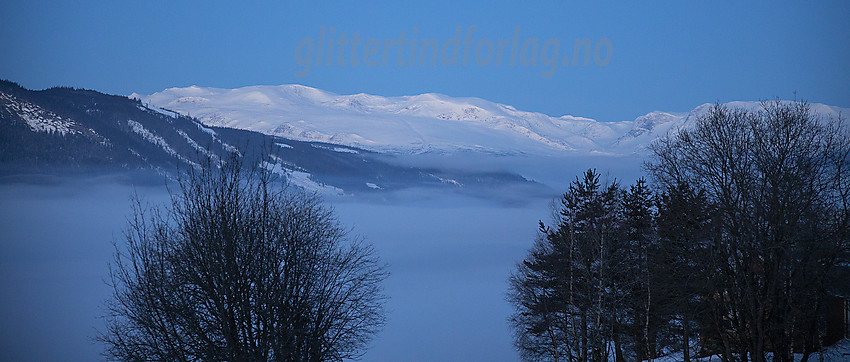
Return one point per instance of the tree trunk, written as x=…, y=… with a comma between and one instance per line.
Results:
x=686, y=348
x=618, y=350
x=584, y=336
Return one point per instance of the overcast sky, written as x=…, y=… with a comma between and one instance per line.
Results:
x=643, y=55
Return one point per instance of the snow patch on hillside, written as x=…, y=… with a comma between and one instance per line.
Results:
x=39, y=119
x=199, y=148
x=150, y=137
x=336, y=149
x=300, y=178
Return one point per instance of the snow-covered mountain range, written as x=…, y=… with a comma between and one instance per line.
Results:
x=338, y=144
x=421, y=123
x=62, y=131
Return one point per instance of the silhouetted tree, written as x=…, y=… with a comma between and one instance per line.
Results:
x=566, y=292
x=686, y=269
x=638, y=267
x=738, y=255
x=239, y=269
x=778, y=182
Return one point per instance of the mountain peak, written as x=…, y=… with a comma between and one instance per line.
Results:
x=428, y=122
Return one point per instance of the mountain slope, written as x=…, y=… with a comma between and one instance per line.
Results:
x=72, y=128
x=319, y=140
x=61, y=130
x=653, y=125
x=410, y=124
x=421, y=123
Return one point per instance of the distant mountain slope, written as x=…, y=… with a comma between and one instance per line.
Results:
x=68, y=128
x=337, y=144
x=412, y=124
x=62, y=130
x=421, y=123
x=653, y=125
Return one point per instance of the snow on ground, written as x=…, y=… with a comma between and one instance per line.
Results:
x=39, y=119
x=160, y=142
x=302, y=179
x=150, y=137
x=199, y=148
x=373, y=186
x=335, y=149
x=839, y=352
x=207, y=130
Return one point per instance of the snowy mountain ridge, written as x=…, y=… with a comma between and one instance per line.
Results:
x=66, y=131
x=422, y=123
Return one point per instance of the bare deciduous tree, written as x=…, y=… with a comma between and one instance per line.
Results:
x=778, y=181
x=239, y=269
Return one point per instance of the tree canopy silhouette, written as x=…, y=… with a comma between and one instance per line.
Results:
x=239, y=268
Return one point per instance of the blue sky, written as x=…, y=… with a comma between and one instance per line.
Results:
x=653, y=55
